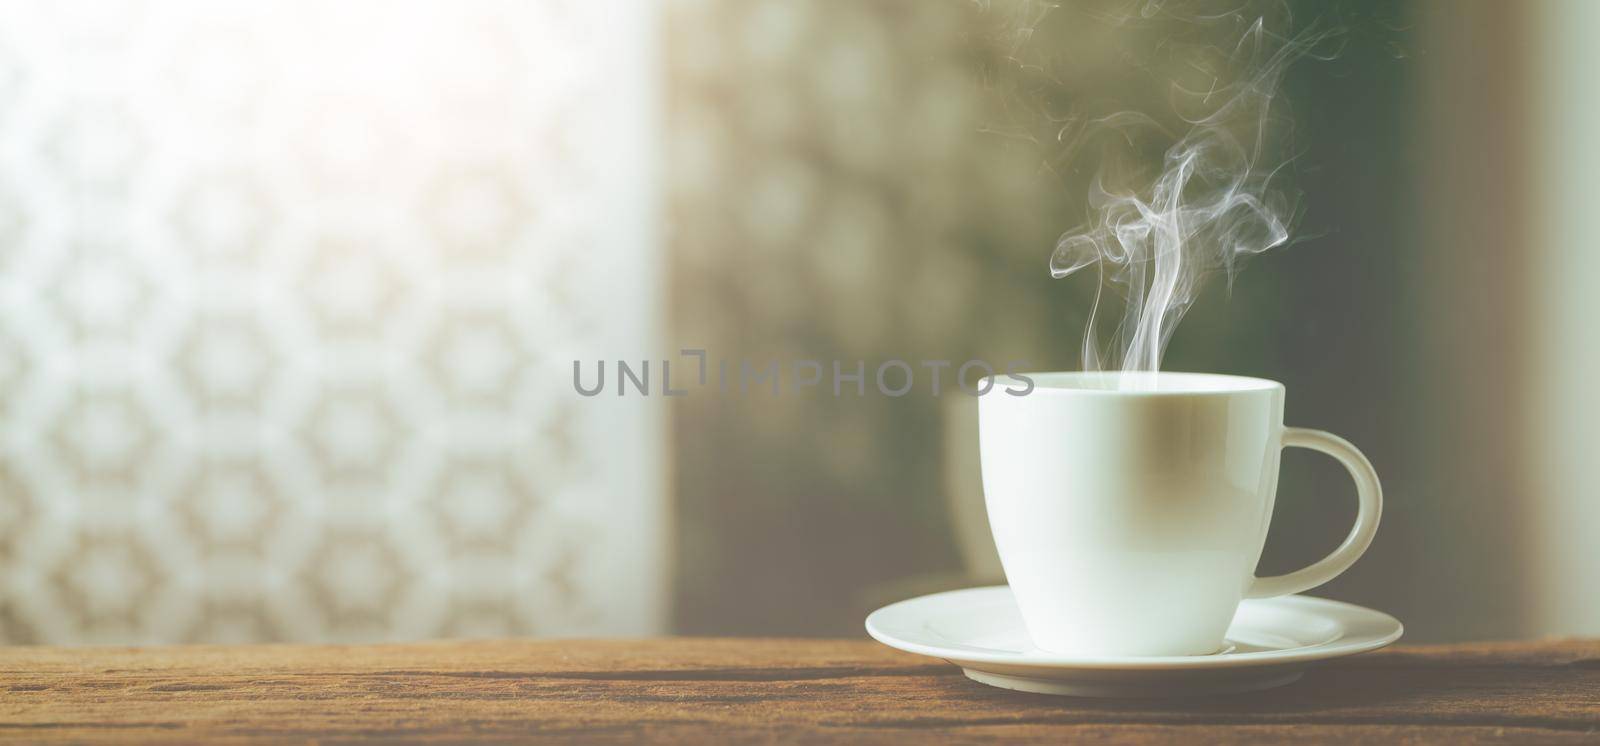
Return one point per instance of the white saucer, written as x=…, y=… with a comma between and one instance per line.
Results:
x=1270, y=643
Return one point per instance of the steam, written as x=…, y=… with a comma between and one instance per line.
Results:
x=1158, y=227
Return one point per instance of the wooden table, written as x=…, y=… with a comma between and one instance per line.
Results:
x=712, y=690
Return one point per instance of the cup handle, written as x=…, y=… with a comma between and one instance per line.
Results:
x=1368, y=492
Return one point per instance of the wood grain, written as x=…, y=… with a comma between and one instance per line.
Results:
x=711, y=690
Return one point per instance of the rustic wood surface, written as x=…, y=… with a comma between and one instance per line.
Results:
x=715, y=690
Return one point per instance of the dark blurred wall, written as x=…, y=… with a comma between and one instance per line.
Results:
x=832, y=199
x=846, y=182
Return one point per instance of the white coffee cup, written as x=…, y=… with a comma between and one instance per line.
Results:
x=1130, y=509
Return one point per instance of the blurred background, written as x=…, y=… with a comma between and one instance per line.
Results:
x=291, y=295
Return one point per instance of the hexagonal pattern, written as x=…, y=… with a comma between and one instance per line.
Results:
x=353, y=435
x=227, y=362
x=230, y=505
x=280, y=327
x=223, y=216
x=100, y=291
x=104, y=580
x=105, y=437
x=350, y=289
x=475, y=212
x=357, y=577
x=481, y=505
x=476, y=358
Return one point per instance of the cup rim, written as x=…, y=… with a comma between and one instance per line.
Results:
x=1106, y=383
